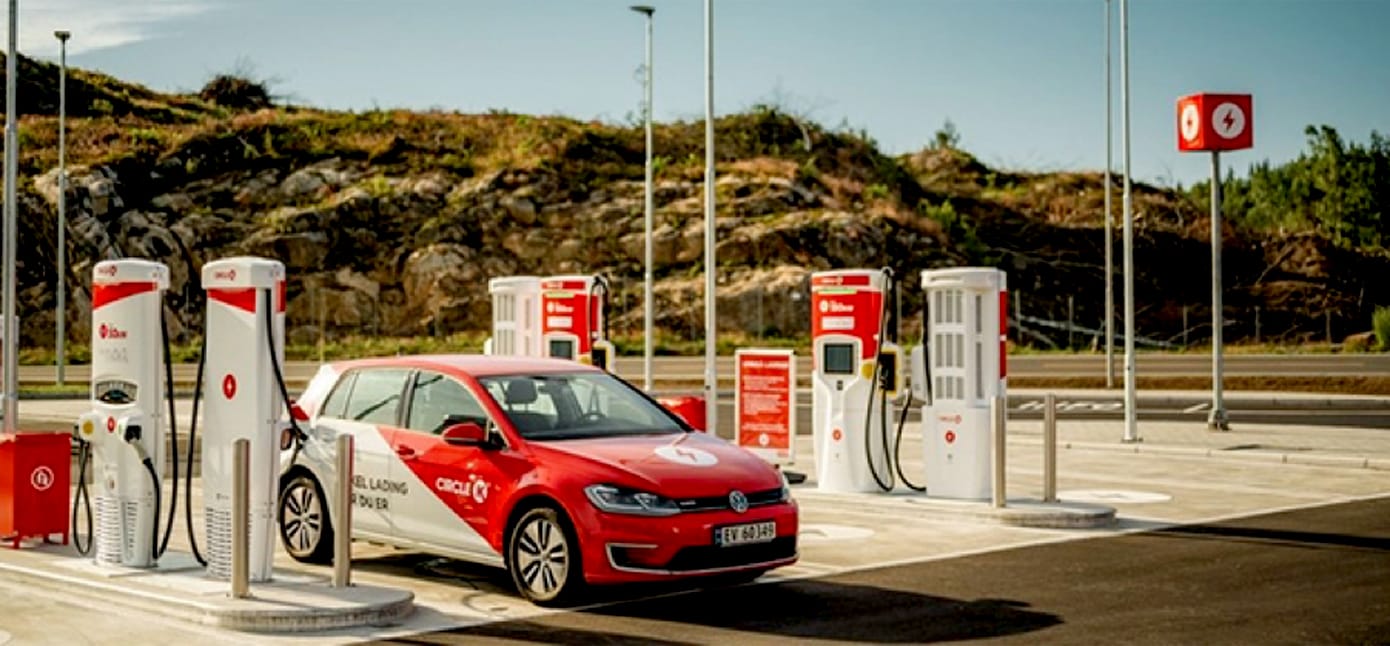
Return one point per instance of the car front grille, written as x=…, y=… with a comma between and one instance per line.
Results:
x=720, y=503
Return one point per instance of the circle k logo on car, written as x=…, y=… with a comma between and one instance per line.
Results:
x=691, y=456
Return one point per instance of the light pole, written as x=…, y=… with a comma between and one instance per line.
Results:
x=62, y=312
x=647, y=217
x=1131, y=421
x=711, y=332
x=11, y=355
x=1109, y=217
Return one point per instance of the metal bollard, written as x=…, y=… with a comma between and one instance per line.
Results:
x=998, y=413
x=342, y=514
x=1050, y=448
x=241, y=517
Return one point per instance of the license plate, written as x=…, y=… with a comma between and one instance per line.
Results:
x=744, y=534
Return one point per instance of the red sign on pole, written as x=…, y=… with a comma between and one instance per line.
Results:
x=765, y=403
x=1215, y=122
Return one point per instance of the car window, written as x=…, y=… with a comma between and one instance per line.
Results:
x=336, y=403
x=439, y=401
x=565, y=406
x=376, y=395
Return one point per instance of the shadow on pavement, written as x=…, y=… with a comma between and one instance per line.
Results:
x=1284, y=537
x=809, y=609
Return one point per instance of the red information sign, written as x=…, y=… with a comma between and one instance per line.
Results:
x=765, y=403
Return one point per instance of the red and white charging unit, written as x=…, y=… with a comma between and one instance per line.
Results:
x=126, y=425
x=516, y=316
x=242, y=400
x=964, y=368
x=852, y=362
x=573, y=319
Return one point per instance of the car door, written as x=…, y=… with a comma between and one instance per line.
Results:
x=456, y=491
x=366, y=404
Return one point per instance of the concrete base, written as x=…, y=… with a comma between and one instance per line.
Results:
x=179, y=588
x=1017, y=512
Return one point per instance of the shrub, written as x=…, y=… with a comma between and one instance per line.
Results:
x=1380, y=323
x=235, y=92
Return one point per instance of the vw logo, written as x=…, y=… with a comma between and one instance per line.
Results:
x=737, y=501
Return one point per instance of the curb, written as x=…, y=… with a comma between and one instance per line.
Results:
x=385, y=606
x=1305, y=459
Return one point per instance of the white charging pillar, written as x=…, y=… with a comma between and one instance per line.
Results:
x=127, y=394
x=516, y=316
x=965, y=365
x=847, y=308
x=242, y=400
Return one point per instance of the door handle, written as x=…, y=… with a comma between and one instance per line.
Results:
x=405, y=452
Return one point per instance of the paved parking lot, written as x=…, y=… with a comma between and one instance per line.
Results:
x=880, y=556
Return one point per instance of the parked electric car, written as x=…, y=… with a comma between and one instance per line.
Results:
x=561, y=473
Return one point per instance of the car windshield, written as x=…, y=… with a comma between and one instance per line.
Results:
x=581, y=405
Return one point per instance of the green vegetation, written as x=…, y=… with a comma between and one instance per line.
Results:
x=1338, y=189
x=1380, y=324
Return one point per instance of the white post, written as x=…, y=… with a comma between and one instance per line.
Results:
x=648, y=309
x=241, y=517
x=1131, y=419
x=342, y=514
x=1050, y=448
x=11, y=331
x=711, y=330
x=62, y=311
x=1216, y=420
x=998, y=415
x=1109, y=219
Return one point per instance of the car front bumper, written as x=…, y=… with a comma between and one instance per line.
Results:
x=619, y=548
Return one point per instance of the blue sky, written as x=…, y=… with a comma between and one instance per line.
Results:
x=1023, y=80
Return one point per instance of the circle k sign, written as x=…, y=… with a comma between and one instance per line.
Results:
x=41, y=478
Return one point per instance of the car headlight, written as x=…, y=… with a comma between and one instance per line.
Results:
x=786, y=487
x=627, y=501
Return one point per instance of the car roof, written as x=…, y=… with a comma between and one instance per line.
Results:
x=478, y=365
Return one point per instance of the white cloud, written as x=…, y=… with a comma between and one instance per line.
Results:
x=95, y=24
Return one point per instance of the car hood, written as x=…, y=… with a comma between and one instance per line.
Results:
x=682, y=465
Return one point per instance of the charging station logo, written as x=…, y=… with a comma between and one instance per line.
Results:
x=691, y=456
x=41, y=478
x=824, y=306
x=226, y=274
x=229, y=386
x=107, y=270
x=111, y=332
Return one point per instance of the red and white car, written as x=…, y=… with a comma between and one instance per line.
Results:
x=562, y=473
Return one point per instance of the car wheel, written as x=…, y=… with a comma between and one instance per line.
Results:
x=305, y=529
x=543, y=557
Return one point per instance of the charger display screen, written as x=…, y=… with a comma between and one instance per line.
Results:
x=837, y=359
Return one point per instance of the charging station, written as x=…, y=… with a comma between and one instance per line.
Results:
x=245, y=348
x=856, y=370
x=963, y=368
x=516, y=316
x=125, y=429
x=574, y=320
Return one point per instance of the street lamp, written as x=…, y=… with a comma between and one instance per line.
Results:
x=1131, y=433
x=647, y=218
x=1109, y=217
x=62, y=312
x=711, y=330
x=10, y=355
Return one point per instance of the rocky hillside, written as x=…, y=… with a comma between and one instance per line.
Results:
x=390, y=222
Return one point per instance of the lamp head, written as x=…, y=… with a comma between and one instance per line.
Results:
x=62, y=35
x=645, y=9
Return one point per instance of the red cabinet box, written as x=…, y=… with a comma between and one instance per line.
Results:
x=687, y=407
x=35, y=470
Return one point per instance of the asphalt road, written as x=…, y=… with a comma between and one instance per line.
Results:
x=691, y=369
x=1312, y=576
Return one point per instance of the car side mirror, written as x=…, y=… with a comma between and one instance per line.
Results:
x=465, y=434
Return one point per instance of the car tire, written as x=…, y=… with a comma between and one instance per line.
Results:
x=543, y=558
x=306, y=531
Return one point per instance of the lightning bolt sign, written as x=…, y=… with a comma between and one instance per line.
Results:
x=1228, y=120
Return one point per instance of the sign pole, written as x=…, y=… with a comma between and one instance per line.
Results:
x=11, y=330
x=1217, y=420
x=1131, y=432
